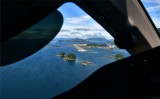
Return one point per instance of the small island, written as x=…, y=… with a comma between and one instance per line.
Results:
x=119, y=56
x=100, y=46
x=84, y=47
x=62, y=54
x=69, y=57
x=85, y=63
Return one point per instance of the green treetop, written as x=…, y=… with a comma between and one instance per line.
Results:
x=62, y=54
x=119, y=56
x=70, y=56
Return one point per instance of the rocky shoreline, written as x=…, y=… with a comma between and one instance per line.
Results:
x=85, y=63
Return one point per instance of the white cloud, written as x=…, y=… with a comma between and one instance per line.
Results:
x=78, y=20
x=152, y=5
x=156, y=21
x=153, y=8
x=91, y=32
x=82, y=27
x=151, y=1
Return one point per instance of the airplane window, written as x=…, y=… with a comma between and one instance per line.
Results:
x=153, y=9
x=81, y=47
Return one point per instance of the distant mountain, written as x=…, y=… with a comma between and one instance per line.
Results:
x=89, y=40
x=61, y=39
x=97, y=39
x=101, y=40
x=77, y=40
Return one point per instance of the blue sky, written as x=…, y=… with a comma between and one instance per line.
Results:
x=71, y=10
x=153, y=8
x=78, y=24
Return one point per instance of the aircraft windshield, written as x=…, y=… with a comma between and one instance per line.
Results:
x=81, y=47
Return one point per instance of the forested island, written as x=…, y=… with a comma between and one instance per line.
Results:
x=84, y=46
x=92, y=45
x=72, y=57
x=69, y=57
x=119, y=56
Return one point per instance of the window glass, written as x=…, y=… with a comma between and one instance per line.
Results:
x=153, y=9
x=81, y=47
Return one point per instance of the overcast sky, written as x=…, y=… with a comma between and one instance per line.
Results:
x=78, y=24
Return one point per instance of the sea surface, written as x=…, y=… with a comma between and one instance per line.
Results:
x=44, y=74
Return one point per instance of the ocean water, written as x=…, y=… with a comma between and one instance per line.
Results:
x=44, y=75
